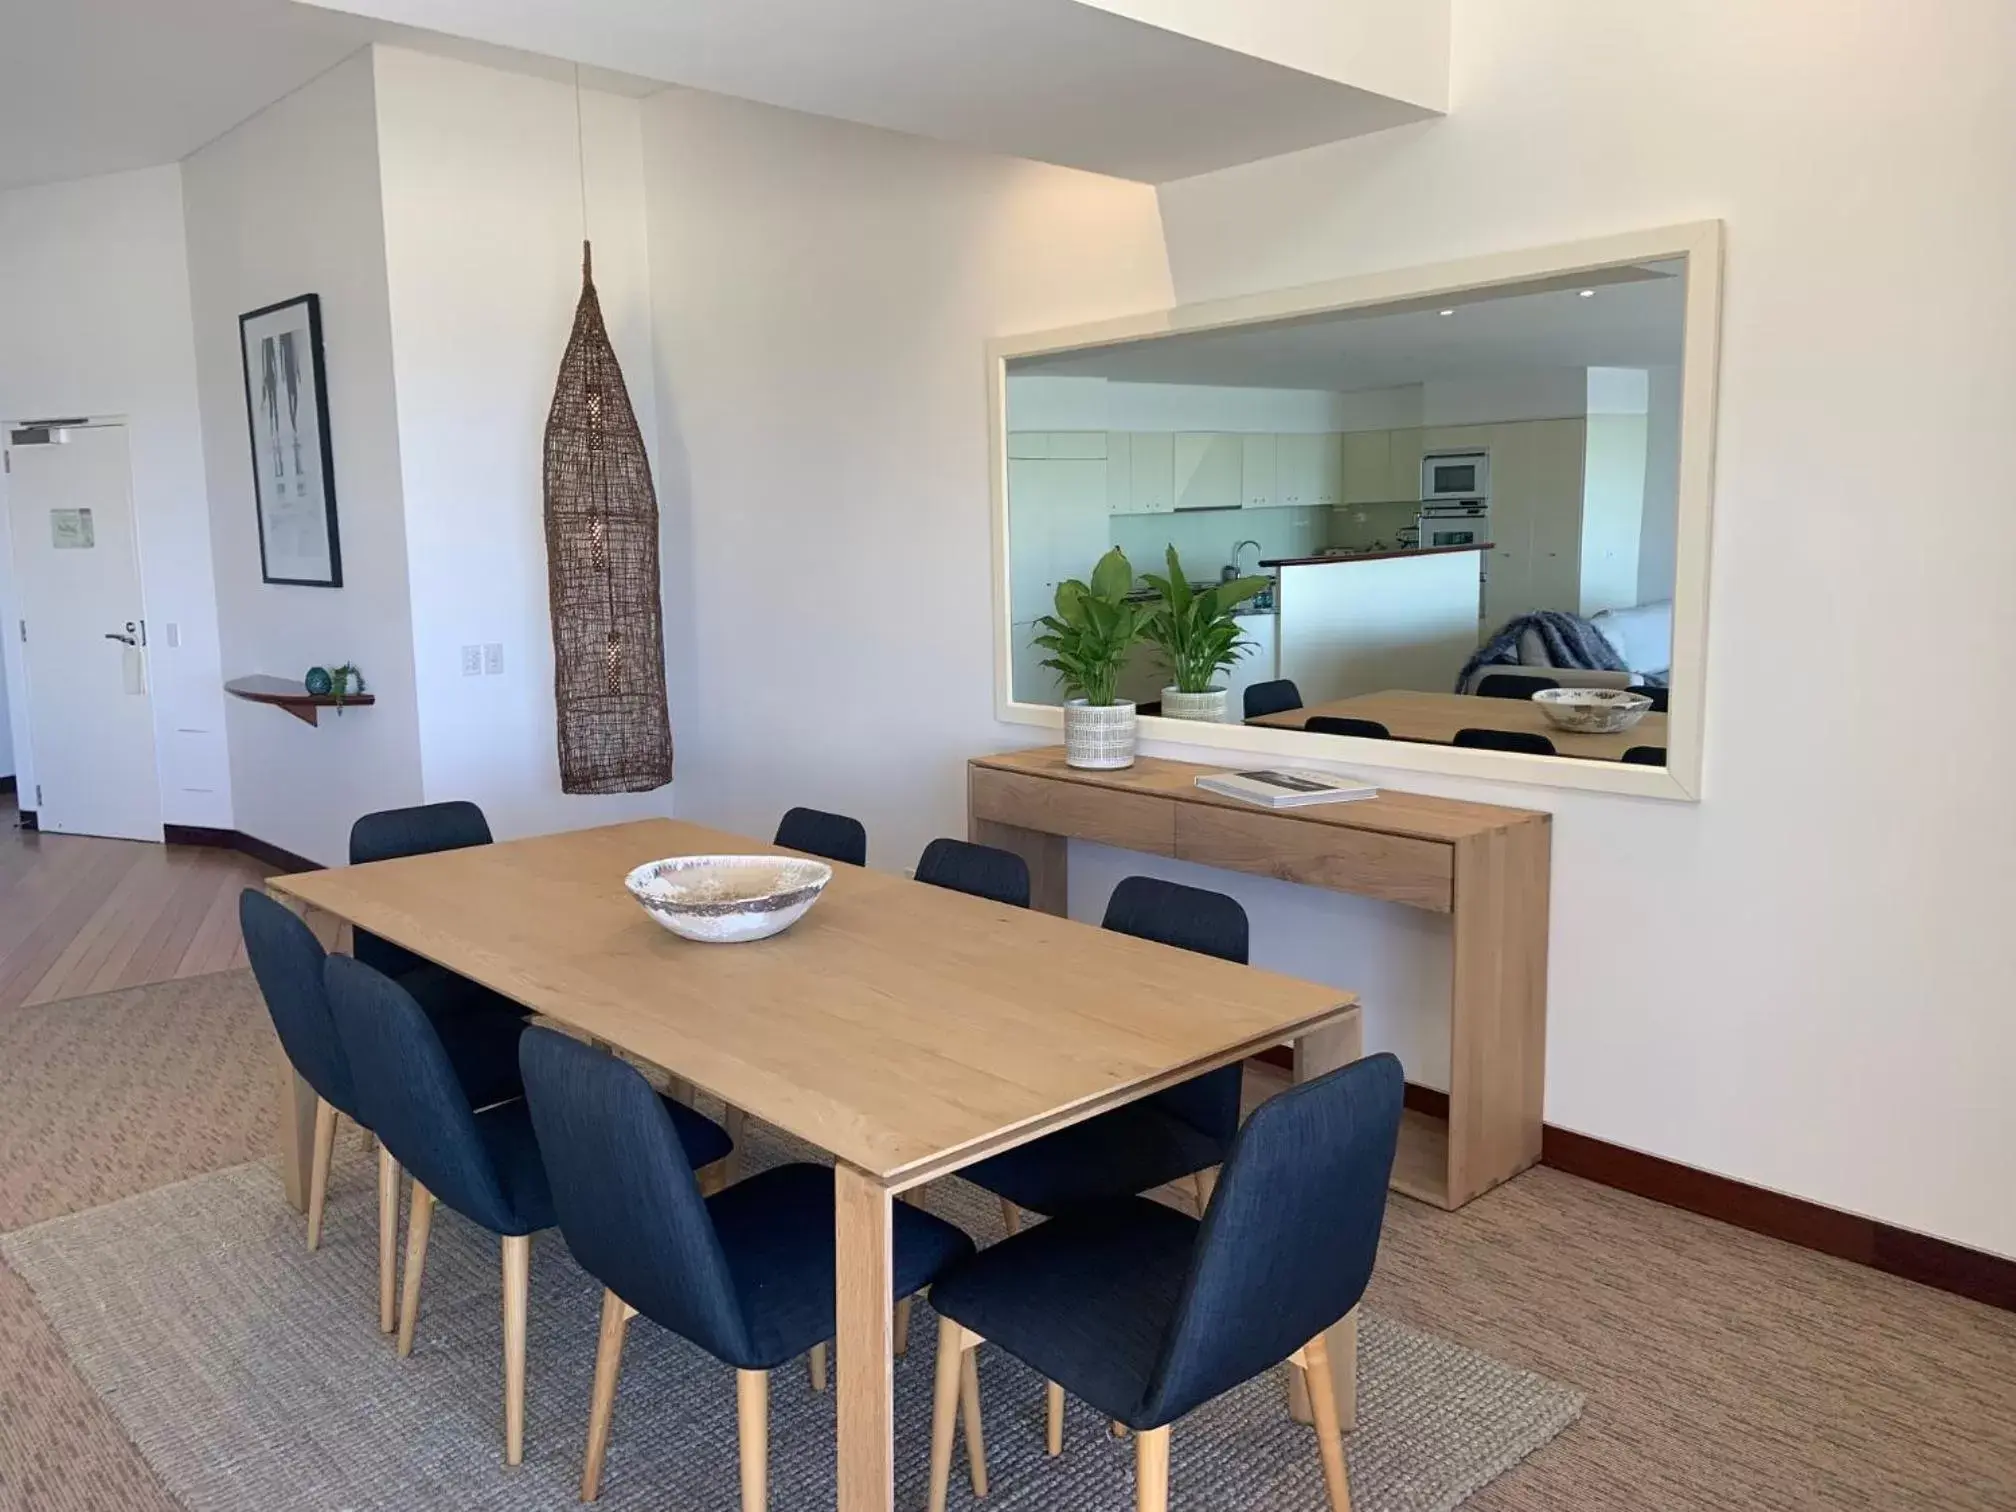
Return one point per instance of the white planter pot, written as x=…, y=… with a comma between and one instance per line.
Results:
x=1099, y=739
x=1209, y=706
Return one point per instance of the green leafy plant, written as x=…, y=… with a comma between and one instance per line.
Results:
x=1094, y=628
x=341, y=680
x=1196, y=632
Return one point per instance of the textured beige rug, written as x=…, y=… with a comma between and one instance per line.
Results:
x=253, y=1377
x=100, y=1098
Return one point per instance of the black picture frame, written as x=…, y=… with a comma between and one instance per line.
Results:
x=293, y=470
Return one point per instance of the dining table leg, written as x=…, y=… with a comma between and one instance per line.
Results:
x=863, y=1236
x=1323, y=1050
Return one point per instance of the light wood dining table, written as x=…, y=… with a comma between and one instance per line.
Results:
x=907, y=1030
x=1436, y=717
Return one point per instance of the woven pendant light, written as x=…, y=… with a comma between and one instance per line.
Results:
x=602, y=572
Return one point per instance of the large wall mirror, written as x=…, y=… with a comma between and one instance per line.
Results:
x=1444, y=491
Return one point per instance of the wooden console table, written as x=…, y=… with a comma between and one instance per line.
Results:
x=1486, y=867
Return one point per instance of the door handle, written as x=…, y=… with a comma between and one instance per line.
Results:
x=124, y=640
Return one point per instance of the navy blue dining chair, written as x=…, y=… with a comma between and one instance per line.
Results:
x=1181, y=1131
x=747, y=1274
x=484, y=1163
x=1513, y=685
x=1523, y=741
x=423, y=830
x=982, y=870
x=287, y=961
x=1646, y=756
x=1145, y=1313
x=818, y=833
x=1276, y=697
x=1337, y=724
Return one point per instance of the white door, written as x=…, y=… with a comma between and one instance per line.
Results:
x=78, y=612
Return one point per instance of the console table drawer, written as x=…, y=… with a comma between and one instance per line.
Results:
x=1131, y=821
x=1419, y=873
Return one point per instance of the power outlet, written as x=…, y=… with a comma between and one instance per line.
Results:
x=472, y=661
x=493, y=658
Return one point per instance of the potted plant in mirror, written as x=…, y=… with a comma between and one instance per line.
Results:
x=1088, y=639
x=1199, y=636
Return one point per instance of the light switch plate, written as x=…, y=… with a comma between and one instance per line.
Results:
x=493, y=658
x=472, y=661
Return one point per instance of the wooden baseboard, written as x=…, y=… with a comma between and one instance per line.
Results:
x=251, y=845
x=1937, y=1263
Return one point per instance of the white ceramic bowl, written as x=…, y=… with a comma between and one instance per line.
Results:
x=1592, y=711
x=723, y=900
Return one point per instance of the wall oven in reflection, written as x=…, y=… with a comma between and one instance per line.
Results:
x=1464, y=522
x=1455, y=476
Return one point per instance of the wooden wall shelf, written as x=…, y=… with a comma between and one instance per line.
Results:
x=294, y=697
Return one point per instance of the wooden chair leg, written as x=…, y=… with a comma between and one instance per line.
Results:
x=616, y=1316
x=736, y=1122
x=318, y=1170
x=419, y=1223
x=901, y=1346
x=1053, y=1428
x=517, y=1294
x=815, y=1363
x=969, y=1412
x=944, y=1404
x=1205, y=1182
x=388, y=1241
x=1151, y=1470
x=1323, y=1408
x=1119, y=1429
x=752, y=1416
x=1011, y=1216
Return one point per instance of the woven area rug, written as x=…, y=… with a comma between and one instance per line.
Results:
x=252, y=1376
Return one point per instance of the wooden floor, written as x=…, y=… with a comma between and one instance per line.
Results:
x=79, y=915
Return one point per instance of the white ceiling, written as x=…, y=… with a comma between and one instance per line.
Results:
x=96, y=86
x=1635, y=322
x=1054, y=80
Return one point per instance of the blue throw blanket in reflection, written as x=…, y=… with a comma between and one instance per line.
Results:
x=1570, y=640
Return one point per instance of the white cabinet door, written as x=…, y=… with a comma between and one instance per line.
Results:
x=1367, y=467
x=1257, y=469
x=1403, y=463
x=1028, y=444
x=1309, y=469
x=1089, y=446
x=1554, y=458
x=1152, y=487
x=1119, y=473
x=1057, y=529
x=1207, y=470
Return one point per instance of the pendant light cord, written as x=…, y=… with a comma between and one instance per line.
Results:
x=581, y=166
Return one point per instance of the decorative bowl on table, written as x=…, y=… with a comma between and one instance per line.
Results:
x=724, y=900
x=1592, y=711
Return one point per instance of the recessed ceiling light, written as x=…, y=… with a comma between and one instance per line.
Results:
x=1445, y=312
x=1588, y=293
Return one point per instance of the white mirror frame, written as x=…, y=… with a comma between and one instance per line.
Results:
x=1699, y=242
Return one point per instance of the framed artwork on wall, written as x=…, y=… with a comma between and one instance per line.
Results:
x=287, y=409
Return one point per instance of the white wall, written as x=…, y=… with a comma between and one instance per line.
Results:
x=1613, y=487
x=483, y=227
x=286, y=204
x=1536, y=394
x=822, y=294
x=94, y=320
x=1793, y=982
x=1656, y=531
x=6, y=714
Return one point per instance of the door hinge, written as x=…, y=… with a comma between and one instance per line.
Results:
x=38, y=795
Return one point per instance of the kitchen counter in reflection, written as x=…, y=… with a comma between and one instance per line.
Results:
x=1373, y=556
x=1397, y=619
